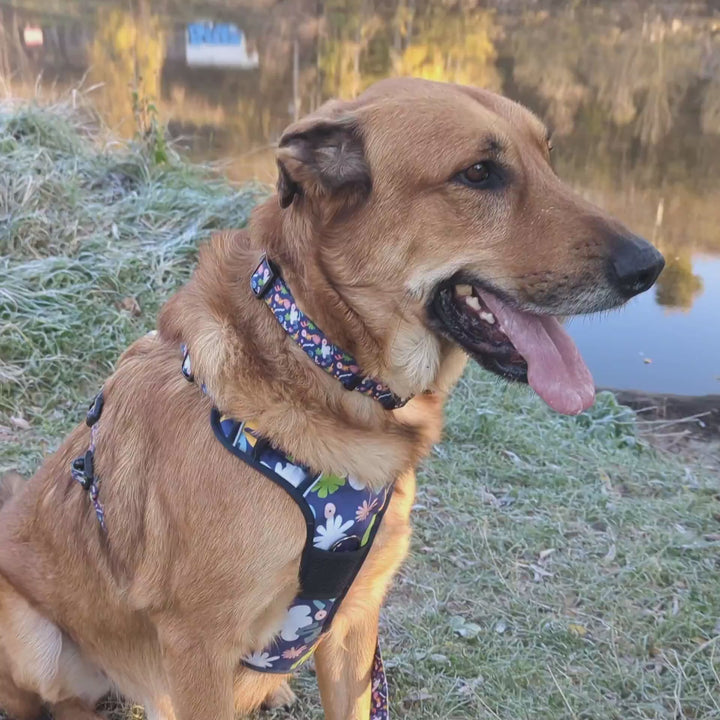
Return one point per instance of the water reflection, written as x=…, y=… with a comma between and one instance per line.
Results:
x=632, y=90
x=679, y=286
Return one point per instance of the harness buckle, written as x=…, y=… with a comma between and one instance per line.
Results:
x=89, y=468
x=93, y=413
x=264, y=277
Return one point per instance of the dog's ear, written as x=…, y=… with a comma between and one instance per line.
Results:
x=322, y=156
x=287, y=188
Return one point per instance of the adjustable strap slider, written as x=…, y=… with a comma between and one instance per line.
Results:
x=352, y=382
x=83, y=470
x=186, y=366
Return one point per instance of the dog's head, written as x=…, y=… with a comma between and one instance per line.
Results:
x=437, y=215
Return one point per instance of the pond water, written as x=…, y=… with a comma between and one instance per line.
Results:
x=631, y=88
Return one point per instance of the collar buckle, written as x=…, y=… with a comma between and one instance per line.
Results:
x=263, y=279
x=352, y=382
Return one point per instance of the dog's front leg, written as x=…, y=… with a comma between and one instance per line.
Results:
x=344, y=658
x=344, y=661
x=200, y=678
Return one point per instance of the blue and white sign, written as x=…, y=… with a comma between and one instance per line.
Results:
x=210, y=44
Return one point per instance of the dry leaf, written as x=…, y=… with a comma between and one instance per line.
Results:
x=464, y=628
x=576, y=629
x=471, y=685
x=487, y=497
x=130, y=304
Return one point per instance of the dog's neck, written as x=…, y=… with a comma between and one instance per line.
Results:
x=389, y=342
x=269, y=286
x=253, y=370
x=289, y=241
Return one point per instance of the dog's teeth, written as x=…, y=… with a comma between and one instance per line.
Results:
x=463, y=290
x=489, y=318
x=473, y=302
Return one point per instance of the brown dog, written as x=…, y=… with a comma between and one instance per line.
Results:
x=416, y=224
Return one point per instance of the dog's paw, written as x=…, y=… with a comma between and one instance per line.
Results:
x=281, y=697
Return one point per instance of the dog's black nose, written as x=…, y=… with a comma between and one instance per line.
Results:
x=634, y=266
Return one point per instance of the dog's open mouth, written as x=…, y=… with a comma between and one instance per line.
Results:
x=515, y=344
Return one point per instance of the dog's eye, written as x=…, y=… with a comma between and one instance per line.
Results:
x=479, y=175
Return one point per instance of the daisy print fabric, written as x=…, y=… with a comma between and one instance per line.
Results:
x=344, y=513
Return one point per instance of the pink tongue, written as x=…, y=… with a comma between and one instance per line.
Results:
x=556, y=370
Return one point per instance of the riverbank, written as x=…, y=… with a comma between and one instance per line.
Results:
x=560, y=567
x=688, y=425
x=700, y=412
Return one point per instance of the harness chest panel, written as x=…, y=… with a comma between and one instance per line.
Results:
x=342, y=517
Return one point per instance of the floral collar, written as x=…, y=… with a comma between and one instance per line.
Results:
x=267, y=284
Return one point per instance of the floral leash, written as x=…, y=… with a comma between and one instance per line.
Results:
x=379, y=705
x=267, y=284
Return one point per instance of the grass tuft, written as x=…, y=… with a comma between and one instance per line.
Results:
x=561, y=568
x=93, y=238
